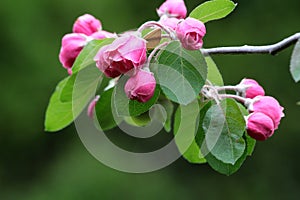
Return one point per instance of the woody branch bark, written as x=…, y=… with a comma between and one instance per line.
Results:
x=272, y=49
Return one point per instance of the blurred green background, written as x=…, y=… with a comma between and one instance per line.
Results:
x=39, y=165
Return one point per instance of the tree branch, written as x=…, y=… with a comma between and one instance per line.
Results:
x=272, y=49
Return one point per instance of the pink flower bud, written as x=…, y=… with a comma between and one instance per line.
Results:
x=252, y=88
x=169, y=22
x=102, y=34
x=190, y=33
x=141, y=86
x=124, y=54
x=269, y=106
x=260, y=126
x=91, y=107
x=87, y=24
x=173, y=8
x=72, y=44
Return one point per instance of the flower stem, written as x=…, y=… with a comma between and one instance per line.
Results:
x=157, y=24
x=154, y=51
x=232, y=96
x=229, y=87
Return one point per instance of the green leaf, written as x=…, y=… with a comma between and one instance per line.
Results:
x=67, y=91
x=213, y=73
x=225, y=168
x=243, y=110
x=105, y=82
x=180, y=73
x=212, y=10
x=85, y=87
x=250, y=144
x=104, y=111
x=250, y=141
x=194, y=155
x=86, y=56
x=127, y=107
x=219, y=166
x=224, y=126
x=200, y=136
x=139, y=121
x=186, y=123
x=229, y=169
x=295, y=62
x=169, y=108
x=58, y=114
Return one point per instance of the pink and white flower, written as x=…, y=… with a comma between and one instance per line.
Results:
x=190, y=32
x=87, y=24
x=126, y=53
x=252, y=88
x=92, y=105
x=173, y=8
x=72, y=44
x=260, y=126
x=141, y=86
x=269, y=106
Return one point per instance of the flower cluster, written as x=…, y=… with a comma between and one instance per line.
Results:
x=251, y=88
x=85, y=29
x=189, y=31
x=127, y=54
x=160, y=73
x=264, y=118
x=265, y=111
x=139, y=86
x=173, y=8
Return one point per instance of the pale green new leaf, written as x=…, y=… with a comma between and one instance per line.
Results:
x=169, y=108
x=139, y=121
x=104, y=113
x=58, y=114
x=213, y=10
x=213, y=73
x=85, y=88
x=86, y=56
x=67, y=91
x=77, y=94
x=186, y=123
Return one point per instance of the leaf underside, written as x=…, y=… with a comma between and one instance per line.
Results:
x=295, y=62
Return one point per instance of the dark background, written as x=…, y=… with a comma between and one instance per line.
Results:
x=39, y=165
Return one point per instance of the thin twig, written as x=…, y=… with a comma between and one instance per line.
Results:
x=272, y=49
